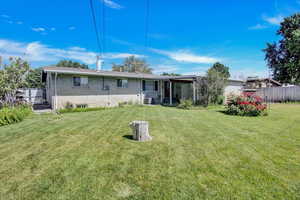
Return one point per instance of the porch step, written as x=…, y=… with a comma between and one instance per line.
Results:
x=41, y=107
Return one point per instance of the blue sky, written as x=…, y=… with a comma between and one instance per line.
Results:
x=185, y=36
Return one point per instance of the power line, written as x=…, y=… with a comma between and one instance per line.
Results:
x=103, y=27
x=147, y=23
x=95, y=27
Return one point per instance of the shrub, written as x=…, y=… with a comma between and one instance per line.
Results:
x=14, y=114
x=79, y=109
x=122, y=104
x=246, y=104
x=220, y=100
x=185, y=104
x=69, y=105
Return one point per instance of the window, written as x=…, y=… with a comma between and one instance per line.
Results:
x=150, y=85
x=144, y=85
x=80, y=81
x=122, y=83
x=156, y=86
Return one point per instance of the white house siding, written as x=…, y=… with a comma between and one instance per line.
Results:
x=94, y=95
x=33, y=95
x=233, y=87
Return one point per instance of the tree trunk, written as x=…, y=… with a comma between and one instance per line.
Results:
x=140, y=131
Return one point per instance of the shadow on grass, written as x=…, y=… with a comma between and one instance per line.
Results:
x=228, y=114
x=223, y=112
x=129, y=137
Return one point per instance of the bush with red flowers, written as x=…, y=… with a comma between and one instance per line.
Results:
x=247, y=104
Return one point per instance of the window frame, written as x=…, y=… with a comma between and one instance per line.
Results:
x=154, y=85
x=123, y=83
x=80, y=82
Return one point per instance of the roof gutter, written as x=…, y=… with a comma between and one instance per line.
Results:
x=106, y=75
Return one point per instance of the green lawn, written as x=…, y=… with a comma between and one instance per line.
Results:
x=195, y=154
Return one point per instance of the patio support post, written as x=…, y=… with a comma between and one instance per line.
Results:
x=194, y=91
x=55, y=91
x=171, y=93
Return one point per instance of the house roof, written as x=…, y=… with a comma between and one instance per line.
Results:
x=69, y=70
x=79, y=71
x=264, y=79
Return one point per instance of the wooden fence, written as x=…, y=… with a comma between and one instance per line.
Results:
x=279, y=94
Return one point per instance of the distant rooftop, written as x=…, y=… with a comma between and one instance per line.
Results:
x=250, y=79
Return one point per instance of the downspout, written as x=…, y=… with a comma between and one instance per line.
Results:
x=161, y=91
x=194, y=91
x=171, y=103
x=141, y=92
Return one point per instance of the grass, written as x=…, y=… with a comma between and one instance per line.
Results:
x=194, y=154
x=71, y=110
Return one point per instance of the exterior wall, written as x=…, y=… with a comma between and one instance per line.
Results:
x=100, y=91
x=233, y=87
x=155, y=95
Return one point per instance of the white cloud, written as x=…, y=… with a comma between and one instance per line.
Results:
x=158, y=69
x=19, y=22
x=276, y=20
x=242, y=74
x=111, y=4
x=4, y=16
x=121, y=55
x=38, y=29
x=258, y=27
x=77, y=49
x=38, y=52
x=52, y=29
x=71, y=28
x=200, y=71
x=185, y=56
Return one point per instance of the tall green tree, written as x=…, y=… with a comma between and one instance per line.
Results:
x=210, y=88
x=34, y=78
x=222, y=69
x=73, y=64
x=170, y=74
x=12, y=78
x=133, y=64
x=283, y=57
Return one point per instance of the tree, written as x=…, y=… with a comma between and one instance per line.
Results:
x=283, y=57
x=12, y=78
x=133, y=64
x=70, y=63
x=211, y=87
x=221, y=69
x=216, y=82
x=170, y=74
x=34, y=78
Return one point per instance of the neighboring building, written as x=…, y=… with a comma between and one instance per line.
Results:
x=109, y=88
x=254, y=83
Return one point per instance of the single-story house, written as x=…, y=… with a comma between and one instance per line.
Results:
x=254, y=83
x=96, y=88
